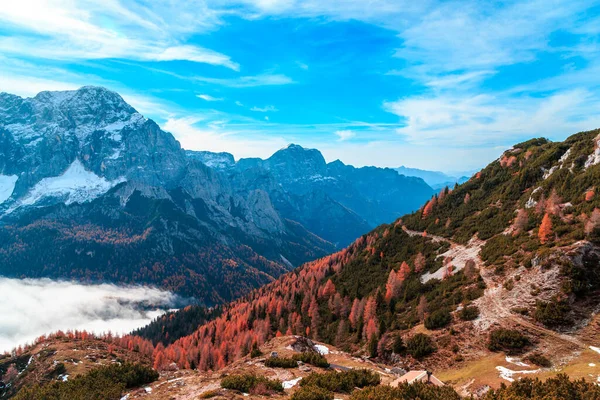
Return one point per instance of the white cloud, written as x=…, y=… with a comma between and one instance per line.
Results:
x=264, y=109
x=248, y=81
x=198, y=133
x=66, y=30
x=207, y=97
x=239, y=103
x=33, y=307
x=345, y=134
x=484, y=119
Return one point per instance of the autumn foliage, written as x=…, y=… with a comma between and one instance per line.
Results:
x=545, y=231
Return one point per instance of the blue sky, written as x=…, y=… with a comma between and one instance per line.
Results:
x=438, y=85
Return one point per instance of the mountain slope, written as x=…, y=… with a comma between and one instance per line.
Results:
x=304, y=188
x=506, y=262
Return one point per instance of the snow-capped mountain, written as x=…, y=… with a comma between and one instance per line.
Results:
x=92, y=190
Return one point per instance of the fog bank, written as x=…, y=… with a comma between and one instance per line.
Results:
x=30, y=308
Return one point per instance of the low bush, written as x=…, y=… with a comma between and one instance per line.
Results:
x=552, y=313
x=559, y=387
x=342, y=382
x=104, y=383
x=316, y=359
x=280, y=362
x=539, y=360
x=438, y=319
x=469, y=313
x=508, y=340
x=420, y=346
x=417, y=390
x=248, y=383
x=312, y=393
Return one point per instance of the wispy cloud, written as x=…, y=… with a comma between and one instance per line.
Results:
x=199, y=133
x=248, y=81
x=75, y=31
x=207, y=97
x=264, y=109
x=345, y=134
x=482, y=119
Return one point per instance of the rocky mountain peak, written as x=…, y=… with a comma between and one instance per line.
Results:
x=296, y=158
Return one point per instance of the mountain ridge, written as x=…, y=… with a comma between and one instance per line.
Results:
x=103, y=186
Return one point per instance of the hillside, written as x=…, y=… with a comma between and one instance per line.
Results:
x=506, y=262
x=91, y=190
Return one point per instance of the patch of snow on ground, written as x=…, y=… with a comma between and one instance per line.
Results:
x=323, y=350
x=592, y=364
x=291, y=383
x=7, y=186
x=507, y=374
x=516, y=361
x=596, y=349
x=76, y=184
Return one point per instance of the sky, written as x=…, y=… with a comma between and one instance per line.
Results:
x=442, y=85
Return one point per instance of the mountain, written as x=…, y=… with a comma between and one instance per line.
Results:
x=307, y=189
x=437, y=180
x=493, y=280
x=92, y=190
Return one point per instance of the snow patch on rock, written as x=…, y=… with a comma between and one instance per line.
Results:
x=7, y=186
x=75, y=185
x=323, y=350
x=291, y=383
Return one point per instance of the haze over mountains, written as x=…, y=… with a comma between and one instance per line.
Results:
x=92, y=190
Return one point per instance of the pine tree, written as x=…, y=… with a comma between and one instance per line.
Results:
x=545, y=231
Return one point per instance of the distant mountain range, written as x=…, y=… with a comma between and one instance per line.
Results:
x=92, y=190
x=437, y=180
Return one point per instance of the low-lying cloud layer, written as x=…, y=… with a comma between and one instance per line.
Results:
x=30, y=308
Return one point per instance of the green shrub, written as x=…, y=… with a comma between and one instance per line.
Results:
x=104, y=383
x=420, y=346
x=342, y=382
x=312, y=393
x=508, y=340
x=311, y=358
x=552, y=313
x=417, y=390
x=469, y=313
x=559, y=387
x=247, y=383
x=255, y=353
x=438, y=319
x=539, y=360
x=280, y=362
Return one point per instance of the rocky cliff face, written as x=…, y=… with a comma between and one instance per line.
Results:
x=305, y=188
